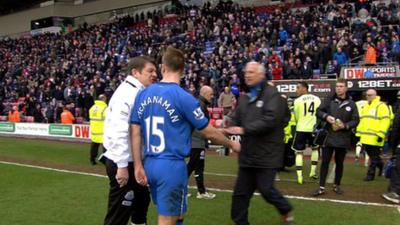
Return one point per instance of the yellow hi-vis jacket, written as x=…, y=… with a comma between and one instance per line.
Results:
x=360, y=105
x=391, y=115
x=97, y=114
x=374, y=123
x=290, y=128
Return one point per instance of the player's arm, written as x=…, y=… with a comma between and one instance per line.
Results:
x=191, y=110
x=217, y=137
x=136, y=141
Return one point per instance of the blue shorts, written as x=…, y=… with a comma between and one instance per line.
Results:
x=168, y=180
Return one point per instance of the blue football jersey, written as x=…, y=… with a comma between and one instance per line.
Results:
x=167, y=115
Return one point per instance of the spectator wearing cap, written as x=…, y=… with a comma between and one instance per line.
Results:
x=13, y=115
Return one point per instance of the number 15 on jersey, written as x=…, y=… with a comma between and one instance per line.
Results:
x=153, y=131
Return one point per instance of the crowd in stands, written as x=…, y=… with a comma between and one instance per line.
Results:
x=44, y=74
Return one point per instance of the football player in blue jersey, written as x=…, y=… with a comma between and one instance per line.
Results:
x=164, y=116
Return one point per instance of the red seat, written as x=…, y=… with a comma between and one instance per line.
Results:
x=78, y=112
x=217, y=113
x=29, y=119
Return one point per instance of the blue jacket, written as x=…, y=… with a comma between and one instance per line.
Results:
x=283, y=35
x=341, y=58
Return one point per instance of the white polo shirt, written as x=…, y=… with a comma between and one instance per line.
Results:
x=116, y=137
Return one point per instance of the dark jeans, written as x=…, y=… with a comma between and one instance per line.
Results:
x=327, y=152
x=394, y=184
x=130, y=201
x=376, y=161
x=94, y=150
x=248, y=180
x=196, y=164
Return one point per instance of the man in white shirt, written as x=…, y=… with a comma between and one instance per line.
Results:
x=126, y=197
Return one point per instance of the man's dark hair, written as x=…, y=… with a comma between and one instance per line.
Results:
x=303, y=84
x=138, y=63
x=341, y=80
x=174, y=59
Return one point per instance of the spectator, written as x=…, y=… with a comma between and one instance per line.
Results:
x=395, y=49
x=283, y=36
x=306, y=71
x=276, y=71
x=90, y=58
x=66, y=116
x=38, y=114
x=226, y=100
x=370, y=55
x=340, y=57
x=13, y=115
x=332, y=68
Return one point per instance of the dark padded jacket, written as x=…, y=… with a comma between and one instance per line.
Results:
x=263, y=121
x=346, y=111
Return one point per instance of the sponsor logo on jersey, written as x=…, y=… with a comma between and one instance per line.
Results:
x=198, y=113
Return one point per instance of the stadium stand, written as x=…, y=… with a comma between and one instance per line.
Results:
x=41, y=74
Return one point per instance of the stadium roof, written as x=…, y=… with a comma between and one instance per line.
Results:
x=11, y=6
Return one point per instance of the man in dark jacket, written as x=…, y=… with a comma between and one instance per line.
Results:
x=199, y=146
x=260, y=118
x=341, y=115
x=394, y=186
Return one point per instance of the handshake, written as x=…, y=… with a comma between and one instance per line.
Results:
x=337, y=124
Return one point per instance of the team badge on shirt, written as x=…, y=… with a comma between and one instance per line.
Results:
x=198, y=114
x=259, y=104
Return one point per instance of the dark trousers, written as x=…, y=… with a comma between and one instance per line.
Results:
x=327, y=152
x=196, y=164
x=248, y=180
x=94, y=150
x=376, y=161
x=130, y=201
x=395, y=176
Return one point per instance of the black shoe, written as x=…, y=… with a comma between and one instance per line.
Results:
x=93, y=163
x=338, y=190
x=367, y=179
x=318, y=192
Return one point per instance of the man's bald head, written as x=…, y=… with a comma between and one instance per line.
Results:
x=103, y=98
x=207, y=92
x=371, y=95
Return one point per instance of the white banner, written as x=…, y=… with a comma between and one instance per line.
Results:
x=32, y=129
x=75, y=131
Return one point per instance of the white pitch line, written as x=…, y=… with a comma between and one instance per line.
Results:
x=53, y=169
x=233, y=175
x=214, y=189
